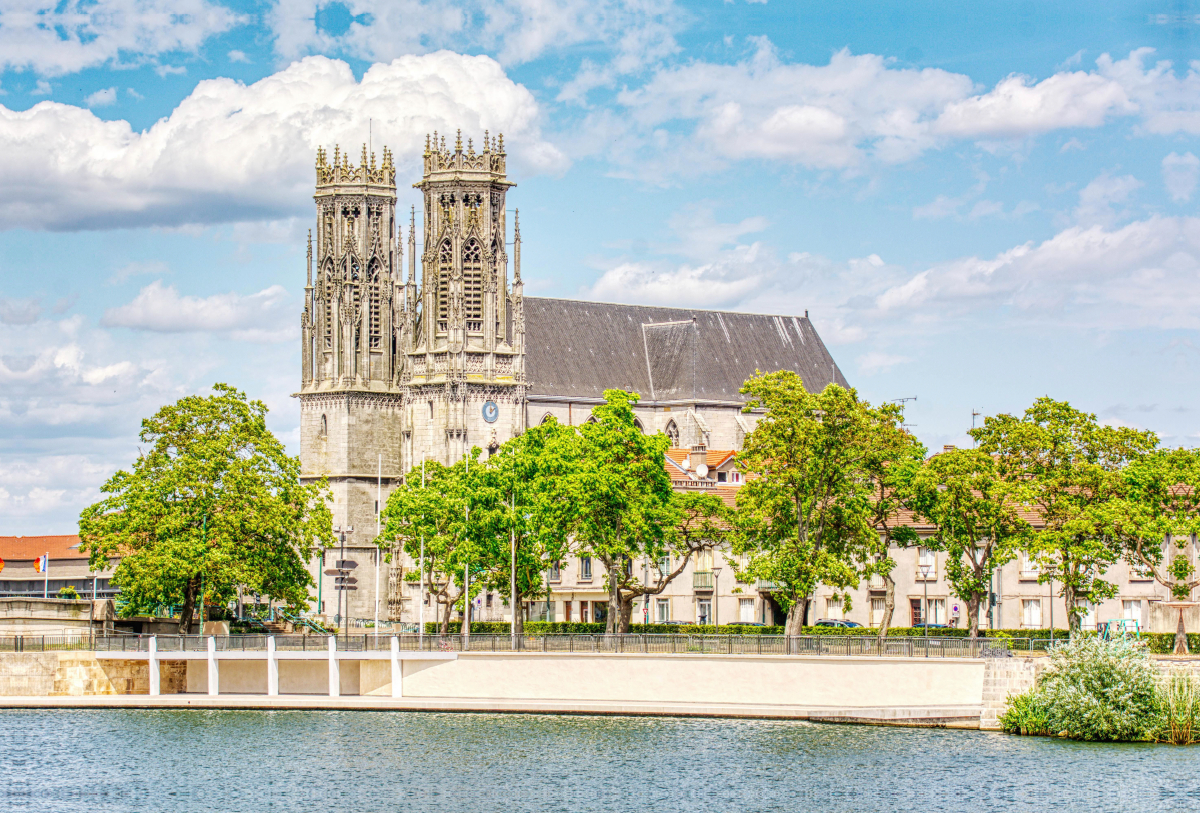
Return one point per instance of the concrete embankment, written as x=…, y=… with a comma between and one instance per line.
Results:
x=958, y=692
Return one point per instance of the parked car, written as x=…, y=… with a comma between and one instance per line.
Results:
x=931, y=626
x=837, y=622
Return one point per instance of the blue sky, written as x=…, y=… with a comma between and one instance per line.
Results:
x=978, y=204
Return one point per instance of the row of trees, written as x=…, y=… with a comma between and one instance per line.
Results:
x=598, y=490
x=834, y=486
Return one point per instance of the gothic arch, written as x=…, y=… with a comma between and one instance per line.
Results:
x=472, y=265
x=591, y=419
x=324, y=426
x=546, y=419
x=445, y=271
x=673, y=433
x=638, y=424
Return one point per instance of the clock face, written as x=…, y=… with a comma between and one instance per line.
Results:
x=491, y=412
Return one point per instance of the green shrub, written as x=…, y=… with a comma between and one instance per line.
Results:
x=1092, y=690
x=1179, y=709
x=68, y=592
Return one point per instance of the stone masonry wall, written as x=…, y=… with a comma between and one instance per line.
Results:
x=1003, y=677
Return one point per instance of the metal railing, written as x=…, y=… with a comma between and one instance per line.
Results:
x=677, y=644
x=702, y=580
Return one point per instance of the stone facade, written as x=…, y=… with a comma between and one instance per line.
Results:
x=398, y=369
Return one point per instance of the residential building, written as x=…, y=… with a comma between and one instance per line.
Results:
x=68, y=568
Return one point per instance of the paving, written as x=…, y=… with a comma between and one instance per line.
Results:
x=936, y=716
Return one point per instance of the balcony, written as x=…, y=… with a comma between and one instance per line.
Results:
x=764, y=586
x=702, y=580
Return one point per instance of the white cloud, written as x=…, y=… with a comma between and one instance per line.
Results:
x=1180, y=175
x=234, y=152
x=237, y=56
x=876, y=362
x=1141, y=275
x=138, y=269
x=1098, y=199
x=101, y=98
x=264, y=316
x=54, y=38
x=860, y=108
x=19, y=311
x=636, y=31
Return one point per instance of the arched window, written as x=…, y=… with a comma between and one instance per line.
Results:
x=324, y=426
x=376, y=327
x=546, y=419
x=591, y=419
x=473, y=285
x=639, y=426
x=445, y=271
x=673, y=433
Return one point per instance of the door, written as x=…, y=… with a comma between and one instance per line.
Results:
x=704, y=612
x=746, y=610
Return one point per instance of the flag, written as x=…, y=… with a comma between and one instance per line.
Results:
x=42, y=563
x=1, y=564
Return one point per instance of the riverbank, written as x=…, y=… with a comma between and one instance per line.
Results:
x=965, y=716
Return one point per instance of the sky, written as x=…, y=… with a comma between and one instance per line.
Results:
x=978, y=204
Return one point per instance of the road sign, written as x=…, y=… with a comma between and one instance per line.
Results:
x=332, y=571
x=345, y=564
x=344, y=587
x=345, y=580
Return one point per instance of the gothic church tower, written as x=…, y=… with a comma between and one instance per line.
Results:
x=350, y=405
x=463, y=377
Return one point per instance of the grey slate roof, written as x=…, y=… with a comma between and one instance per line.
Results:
x=579, y=349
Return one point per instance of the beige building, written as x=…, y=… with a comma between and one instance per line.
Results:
x=19, y=577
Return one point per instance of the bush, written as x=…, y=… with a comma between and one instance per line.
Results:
x=68, y=592
x=1092, y=690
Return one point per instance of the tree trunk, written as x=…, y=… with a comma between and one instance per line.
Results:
x=889, y=605
x=189, y=605
x=973, y=602
x=614, y=598
x=1072, y=610
x=444, y=629
x=1181, y=642
x=795, y=617
x=626, y=615
x=518, y=622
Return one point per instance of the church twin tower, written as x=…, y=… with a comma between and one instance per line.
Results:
x=395, y=370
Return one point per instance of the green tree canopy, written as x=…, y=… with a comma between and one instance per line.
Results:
x=978, y=517
x=215, y=503
x=1072, y=467
x=806, y=513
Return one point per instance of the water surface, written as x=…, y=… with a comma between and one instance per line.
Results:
x=216, y=761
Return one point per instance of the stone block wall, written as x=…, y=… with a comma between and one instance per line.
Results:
x=1003, y=677
x=27, y=674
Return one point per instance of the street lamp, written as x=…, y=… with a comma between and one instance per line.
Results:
x=925, y=570
x=716, y=597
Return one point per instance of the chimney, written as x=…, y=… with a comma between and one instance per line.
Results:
x=949, y=447
x=698, y=456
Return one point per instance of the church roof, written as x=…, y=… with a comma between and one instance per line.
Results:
x=579, y=349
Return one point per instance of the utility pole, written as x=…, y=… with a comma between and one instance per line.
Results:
x=378, y=550
x=974, y=414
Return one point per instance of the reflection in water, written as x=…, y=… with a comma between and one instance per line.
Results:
x=217, y=761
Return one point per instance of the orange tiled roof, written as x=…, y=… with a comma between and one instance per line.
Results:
x=713, y=457
x=28, y=548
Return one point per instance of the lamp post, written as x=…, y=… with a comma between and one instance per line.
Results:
x=925, y=569
x=716, y=597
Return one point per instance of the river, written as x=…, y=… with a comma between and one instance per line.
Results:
x=231, y=761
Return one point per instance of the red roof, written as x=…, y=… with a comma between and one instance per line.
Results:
x=28, y=548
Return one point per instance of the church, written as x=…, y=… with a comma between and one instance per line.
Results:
x=402, y=363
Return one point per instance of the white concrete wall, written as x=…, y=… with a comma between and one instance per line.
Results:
x=823, y=681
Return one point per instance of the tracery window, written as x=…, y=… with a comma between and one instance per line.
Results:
x=373, y=315
x=473, y=285
x=445, y=271
x=673, y=433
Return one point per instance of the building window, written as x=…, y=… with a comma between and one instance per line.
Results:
x=704, y=612
x=1131, y=610
x=937, y=611
x=926, y=560
x=585, y=569
x=735, y=477
x=1031, y=613
x=662, y=609
x=673, y=433
x=583, y=611
x=722, y=477
x=1029, y=568
x=914, y=606
x=746, y=610
x=1087, y=615
x=324, y=426
x=489, y=601
x=877, y=582
x=473, y=285
x=833, y=608
x=555, y=572
x=877, y=609
x=445, y=272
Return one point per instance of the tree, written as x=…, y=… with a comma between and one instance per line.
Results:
x=1157, y=513
x=893, y=458
x=805, y=512
x=1072, y=467
x=622, y=506
x=522, y=512
x=427, y=515
x=215, y=504
x=977, y=513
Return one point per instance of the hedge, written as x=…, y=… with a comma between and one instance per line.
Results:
x=581, y=628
